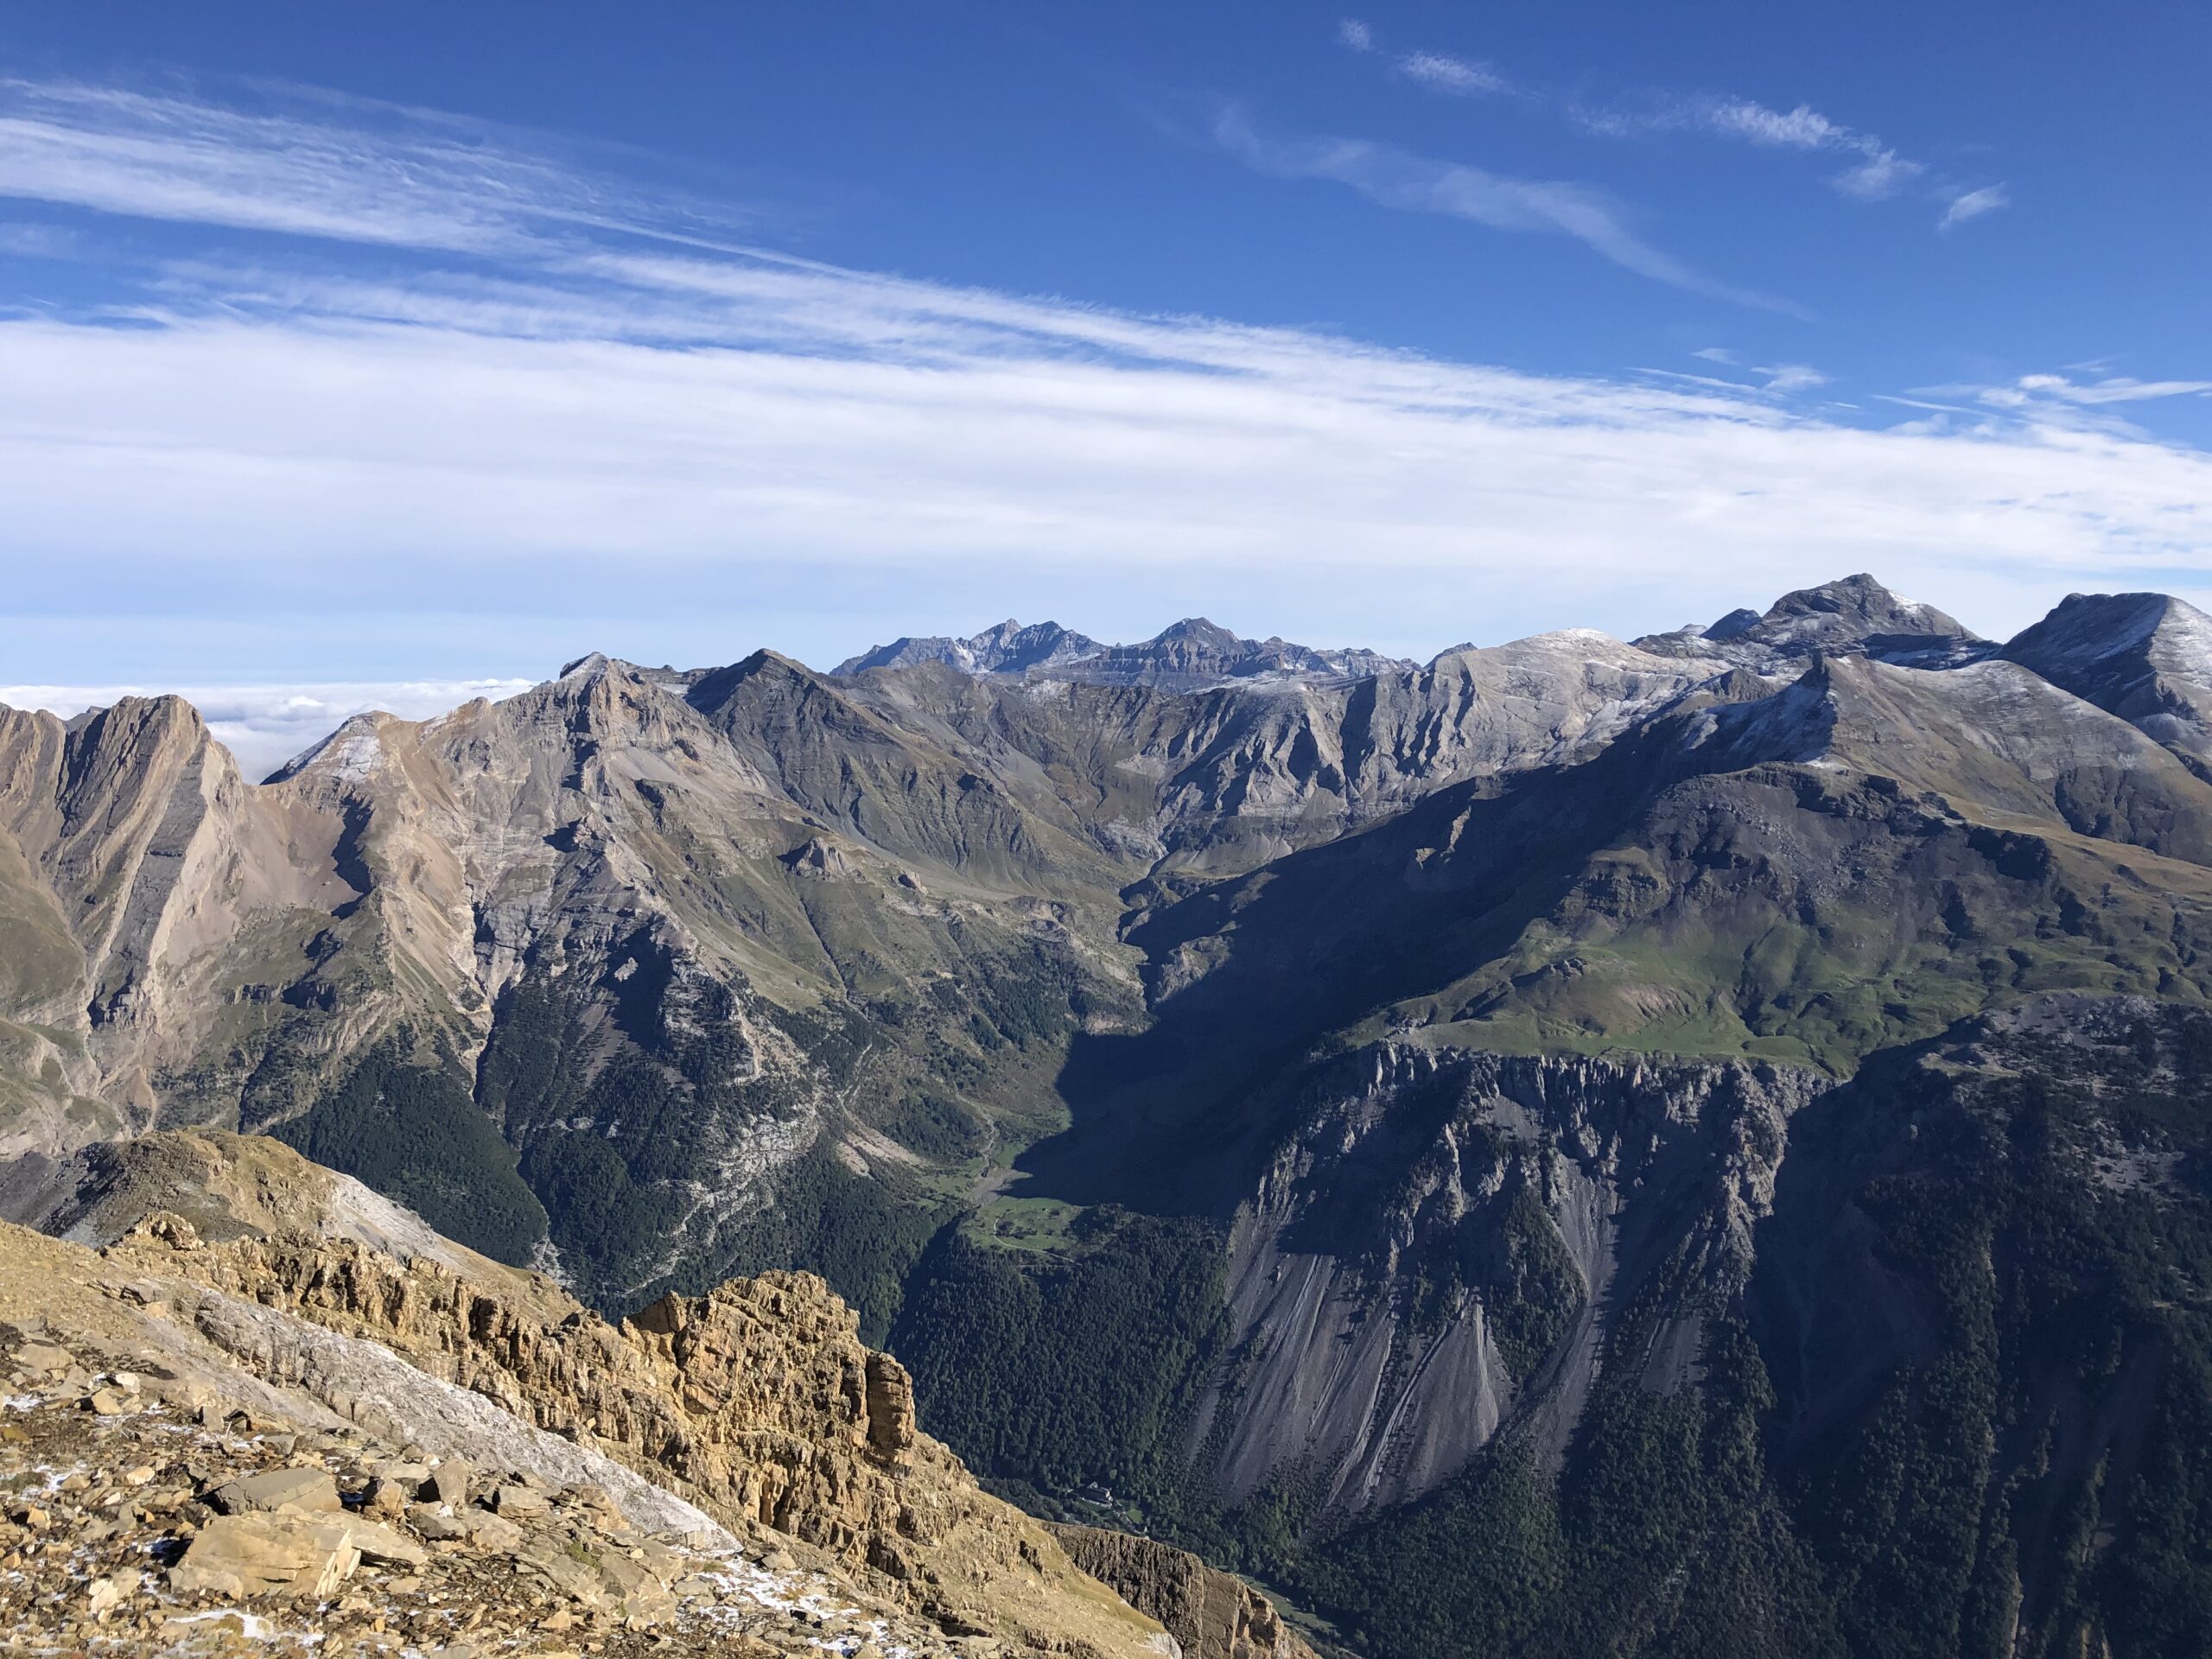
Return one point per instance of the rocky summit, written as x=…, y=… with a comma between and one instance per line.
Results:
x=1689, y=1145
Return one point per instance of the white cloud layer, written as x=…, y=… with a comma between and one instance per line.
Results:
x=594, y=426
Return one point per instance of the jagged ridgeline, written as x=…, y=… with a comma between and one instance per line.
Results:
x=1688, y=1146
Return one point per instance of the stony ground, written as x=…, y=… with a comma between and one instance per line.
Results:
x=136, y=1521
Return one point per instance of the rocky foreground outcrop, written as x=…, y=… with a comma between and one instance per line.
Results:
x=1214, y=1615
x=464, y=1431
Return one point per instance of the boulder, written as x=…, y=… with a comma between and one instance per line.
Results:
x=489, y=1531
x=44, y=1356
x=436, y=1524
x=385, y=1546
x=448, y=1483
x=297, y=1491
x=516, y=1501
x=385, y=1497
x=259, y=1554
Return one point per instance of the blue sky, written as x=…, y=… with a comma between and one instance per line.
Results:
x=395, y=348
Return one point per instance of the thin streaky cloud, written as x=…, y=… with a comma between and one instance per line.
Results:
x=1802, y=128
x=1878, y=177
x=2054, y=402
x=1781, y=379
x=1972, y=204
x=1784, y=377
x=386, y=175
x=1881, y=172
x=1733, y=388
x=2119, y=389
x=1355, y=34
x=1922, y=403
x=2059, y=388
x=1394, y=178
x=1454, y=75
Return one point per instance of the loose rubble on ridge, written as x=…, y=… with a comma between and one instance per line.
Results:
x=140, y=1514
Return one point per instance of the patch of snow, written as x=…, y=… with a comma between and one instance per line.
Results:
x=742, y=1584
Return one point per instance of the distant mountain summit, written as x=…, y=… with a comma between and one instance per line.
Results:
x=1009, y=648
x=1191, y=655
x=1856, y=616
x=2146, y=657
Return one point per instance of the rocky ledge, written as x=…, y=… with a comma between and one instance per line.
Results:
x=138, y=1522
x=294, y=1438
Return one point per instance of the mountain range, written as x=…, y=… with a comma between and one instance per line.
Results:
x=1688, y=1145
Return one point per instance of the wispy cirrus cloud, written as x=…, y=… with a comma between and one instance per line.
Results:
x=1972, y=204
x=2112, y=389
x=315, y=165
x=333, y=430
x=1878, y=171
x=1397, y=178
x=2060, y=399
x=1784, y=378
x=1459, y=76
x=1439, y=72
x=1777, y=380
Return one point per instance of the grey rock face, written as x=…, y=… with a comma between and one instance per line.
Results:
x=1432, y=1204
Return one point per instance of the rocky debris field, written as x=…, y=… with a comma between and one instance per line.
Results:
x=139, y=1515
